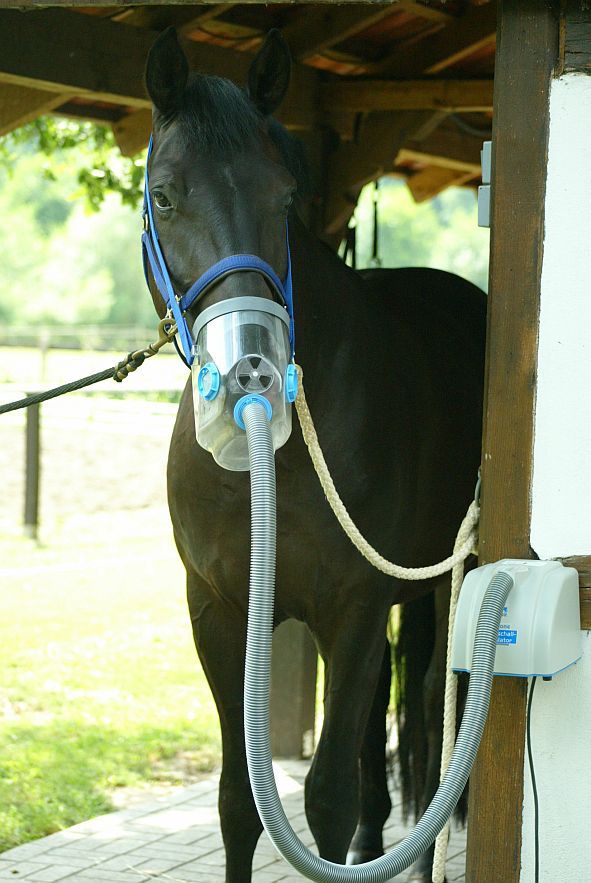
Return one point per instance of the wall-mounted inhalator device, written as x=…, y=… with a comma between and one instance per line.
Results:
x=539, y=632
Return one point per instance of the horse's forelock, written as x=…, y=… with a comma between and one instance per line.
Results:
x=217, y=116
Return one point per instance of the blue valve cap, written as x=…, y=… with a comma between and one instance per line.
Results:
x=251, y=400
x=291, y=383
x=208, y=382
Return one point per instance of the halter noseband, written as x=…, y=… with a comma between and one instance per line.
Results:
x=237, y=263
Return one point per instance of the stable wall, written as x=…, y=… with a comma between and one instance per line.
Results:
x=561, y=489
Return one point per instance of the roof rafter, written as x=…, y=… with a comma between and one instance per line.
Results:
x=431, y=13
x=322, y=27
x=459, y=39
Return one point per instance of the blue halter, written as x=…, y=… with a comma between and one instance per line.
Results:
x=237, y=263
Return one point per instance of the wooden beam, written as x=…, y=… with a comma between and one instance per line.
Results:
x=460, y=38
x=379, y=95
x=106, y=4
x=526, y=53
x=429, y=182
x=577, y=37
x=582, y=563
x=356, y=163
x=319, y=28
x=20, y=105
x=57, y=51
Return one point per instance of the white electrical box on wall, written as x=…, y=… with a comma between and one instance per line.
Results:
x=539, y=632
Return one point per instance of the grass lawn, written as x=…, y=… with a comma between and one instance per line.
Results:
x=100, y=687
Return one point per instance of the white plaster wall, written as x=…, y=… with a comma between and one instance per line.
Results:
x=561, y=726
x=561, y=491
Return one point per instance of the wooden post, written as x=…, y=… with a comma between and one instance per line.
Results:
x=527, y=49
x=293, y=690
x=32, y=470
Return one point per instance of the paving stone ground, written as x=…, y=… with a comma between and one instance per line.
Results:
x=176, y=839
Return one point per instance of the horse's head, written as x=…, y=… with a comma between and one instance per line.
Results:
x=217, y=199
x=218, y=177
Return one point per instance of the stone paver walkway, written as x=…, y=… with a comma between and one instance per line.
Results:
x=176, y=839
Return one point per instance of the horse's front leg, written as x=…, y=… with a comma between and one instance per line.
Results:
x=219, y=629
x=352, y=645
x=374, y=799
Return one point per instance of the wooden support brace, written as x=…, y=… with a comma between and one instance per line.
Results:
x=430, y=181
x=355, y=164
x=132, y=132
x=21, y=104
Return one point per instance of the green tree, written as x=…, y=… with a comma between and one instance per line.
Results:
x=67, y=258
x=442, y=233
x=99, y=166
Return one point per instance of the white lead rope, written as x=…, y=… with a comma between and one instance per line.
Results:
x=466, y=544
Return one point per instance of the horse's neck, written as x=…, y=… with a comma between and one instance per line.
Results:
x=327, y=296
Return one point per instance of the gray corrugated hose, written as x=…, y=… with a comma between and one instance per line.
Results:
x=256, y=691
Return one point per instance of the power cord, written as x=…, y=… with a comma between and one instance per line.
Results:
x=533, y=783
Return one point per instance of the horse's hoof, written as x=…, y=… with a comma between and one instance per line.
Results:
x=360, y=856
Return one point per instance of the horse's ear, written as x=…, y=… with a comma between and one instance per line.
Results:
x=268, y=77
x=167, y=70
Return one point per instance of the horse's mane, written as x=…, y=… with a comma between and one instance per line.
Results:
x=218, y=117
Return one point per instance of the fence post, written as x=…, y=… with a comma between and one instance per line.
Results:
x=32, y=470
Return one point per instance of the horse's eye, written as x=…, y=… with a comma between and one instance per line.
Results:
x=161, y=200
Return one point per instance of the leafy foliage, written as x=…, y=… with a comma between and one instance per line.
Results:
x=100, y=168
x=71, y=250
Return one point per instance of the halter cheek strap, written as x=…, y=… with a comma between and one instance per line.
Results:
x=153, y=259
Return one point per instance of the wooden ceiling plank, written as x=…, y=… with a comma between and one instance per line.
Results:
x=431, y=181
x=203, y=17
x=101, y=59
x=461, y=38
x=160, y=17
x=20, y=105
x=322, y=27
x=381, y=95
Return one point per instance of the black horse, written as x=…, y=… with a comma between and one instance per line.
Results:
x=392, y=362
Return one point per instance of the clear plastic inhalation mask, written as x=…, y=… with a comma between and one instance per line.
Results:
x=242, y=354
